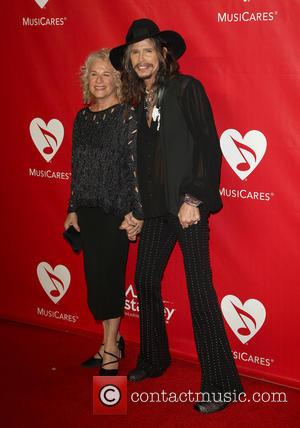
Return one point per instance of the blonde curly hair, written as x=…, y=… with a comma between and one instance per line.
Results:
x=102, y=54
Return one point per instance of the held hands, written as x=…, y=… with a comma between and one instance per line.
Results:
x=188, y=215
x=72, y=220
x=132, y=226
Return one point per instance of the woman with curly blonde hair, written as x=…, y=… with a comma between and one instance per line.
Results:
x=103, y=191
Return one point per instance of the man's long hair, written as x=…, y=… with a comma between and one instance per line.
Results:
x=133, y=87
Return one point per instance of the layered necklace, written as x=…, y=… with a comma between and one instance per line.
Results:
x=150, y=105
x=150, y=99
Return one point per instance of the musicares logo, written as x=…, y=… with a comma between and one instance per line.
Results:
x=55, y=282
x=245, y=320
x=246, y=16
x=243, y=154
x=41, y=3
x=43, y=21
x=47, y=138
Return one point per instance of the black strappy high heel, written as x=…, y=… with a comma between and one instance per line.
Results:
x=97, y=362
x=109, y=372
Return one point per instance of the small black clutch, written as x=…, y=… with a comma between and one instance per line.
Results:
x=74, y=239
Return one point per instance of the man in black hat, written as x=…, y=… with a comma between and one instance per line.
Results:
x=178, y=168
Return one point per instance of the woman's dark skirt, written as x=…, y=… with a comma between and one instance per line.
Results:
x=105, y=250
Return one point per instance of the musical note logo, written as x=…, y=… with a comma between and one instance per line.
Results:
x=55, y=282
x=243, y=154
x=47, y=138
x=244, y=166
x=245, y=331
x=245, y=320
x=50, y=139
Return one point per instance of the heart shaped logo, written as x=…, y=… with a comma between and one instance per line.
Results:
x=243, y=154
x=55, y=282
x=47, y=138
x=245, y=320
x=41, y=3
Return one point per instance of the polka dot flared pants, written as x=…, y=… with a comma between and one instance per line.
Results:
x=158, y=238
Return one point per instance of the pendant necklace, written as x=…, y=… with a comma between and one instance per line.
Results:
x=150, y=103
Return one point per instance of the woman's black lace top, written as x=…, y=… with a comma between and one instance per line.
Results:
x=104, y=161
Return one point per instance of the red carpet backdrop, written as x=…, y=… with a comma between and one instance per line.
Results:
x=246, y=53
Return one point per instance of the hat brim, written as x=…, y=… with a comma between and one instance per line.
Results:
x=174, y=41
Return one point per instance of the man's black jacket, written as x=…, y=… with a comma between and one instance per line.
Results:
x=190, y=144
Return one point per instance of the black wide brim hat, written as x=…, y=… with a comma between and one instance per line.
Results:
x=142, y=29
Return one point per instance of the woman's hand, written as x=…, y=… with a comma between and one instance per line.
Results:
x=188, y=215
x=72, y=220
x=132, y=225
x=132, y=233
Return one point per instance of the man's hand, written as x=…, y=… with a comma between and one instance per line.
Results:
x=72, y=220
x=188, y=215
x=132, y=225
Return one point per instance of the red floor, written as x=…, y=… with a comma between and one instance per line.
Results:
x=44, y=386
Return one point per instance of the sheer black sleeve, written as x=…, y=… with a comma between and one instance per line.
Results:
x=207, y=153
x=136, y=205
